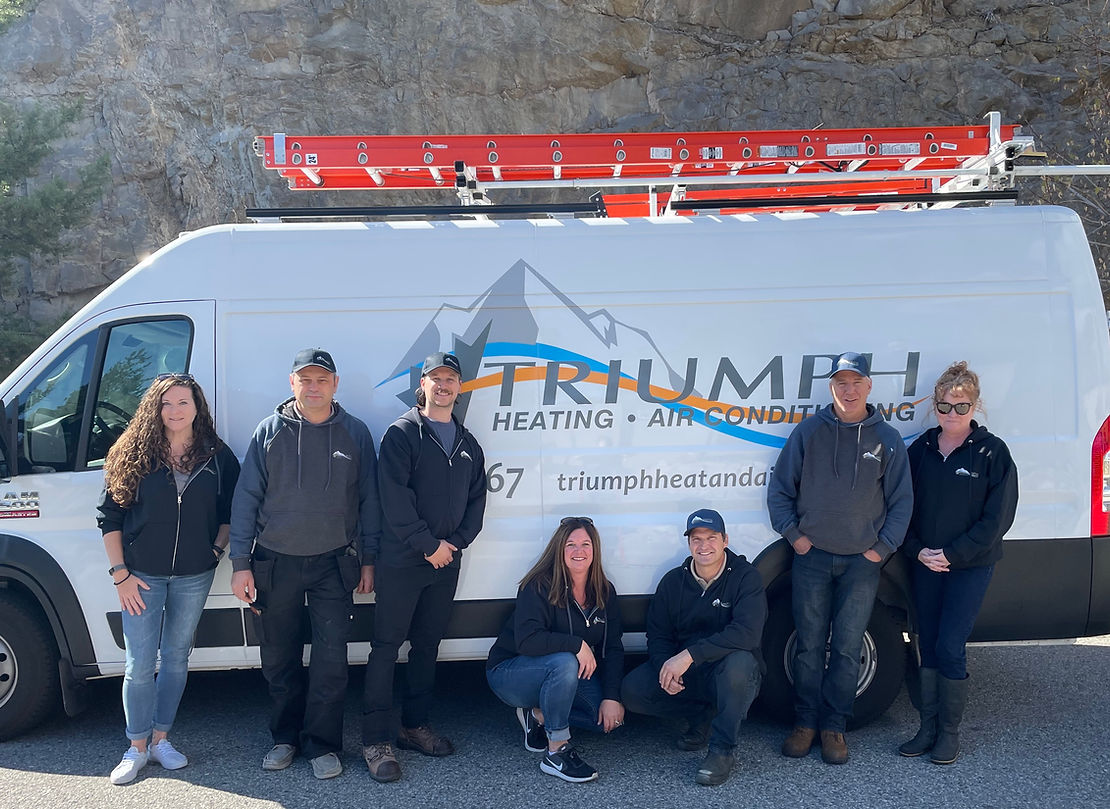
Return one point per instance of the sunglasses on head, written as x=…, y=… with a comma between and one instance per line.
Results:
x=962, y=408
x=183, y=377
x=569, y=520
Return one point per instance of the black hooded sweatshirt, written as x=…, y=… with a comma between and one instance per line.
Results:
x=965, y=504
x=712, y=623
x=428, y=492
x=537, y=628
x=171, y=534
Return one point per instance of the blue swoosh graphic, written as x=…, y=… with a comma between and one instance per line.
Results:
x=543, y=351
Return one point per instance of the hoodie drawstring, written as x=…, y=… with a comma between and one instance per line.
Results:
x=836, y=451
x=855, y=469
x=300, y=427
x=327, y=485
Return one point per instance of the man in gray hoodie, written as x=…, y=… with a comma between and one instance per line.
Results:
x=305, y=512
x=841, y=495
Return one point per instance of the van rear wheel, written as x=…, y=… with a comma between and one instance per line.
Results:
x=882, y=664
x=28, y=667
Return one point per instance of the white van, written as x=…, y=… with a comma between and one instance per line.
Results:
x=632, y=371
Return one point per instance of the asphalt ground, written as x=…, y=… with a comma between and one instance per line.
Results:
x=1035, y=735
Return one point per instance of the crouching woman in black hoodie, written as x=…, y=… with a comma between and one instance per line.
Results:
x=559, y=660
x=965, y=491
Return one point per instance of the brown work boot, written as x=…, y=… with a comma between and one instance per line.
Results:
x=834, y=750
x=425, y=740
x=798, y=743
x=381, y=762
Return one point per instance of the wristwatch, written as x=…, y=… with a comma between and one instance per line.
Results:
x=219, y=551
x=116, y=568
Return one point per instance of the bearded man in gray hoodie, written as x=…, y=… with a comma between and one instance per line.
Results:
x=841, y=495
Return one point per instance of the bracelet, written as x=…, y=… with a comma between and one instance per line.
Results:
x=121, y=581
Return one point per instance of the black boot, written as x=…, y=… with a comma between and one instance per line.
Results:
x=952, y=698
x=927, y=733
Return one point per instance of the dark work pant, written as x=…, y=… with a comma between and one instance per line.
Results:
x=832, y=597
x=947, y=606
x=413, y=603
x=727, y=686
x=309, y=714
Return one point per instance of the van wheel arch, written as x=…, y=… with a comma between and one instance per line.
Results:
x=30, y=575
x=28, y=665
x=28, y=569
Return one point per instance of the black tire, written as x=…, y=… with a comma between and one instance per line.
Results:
x=882, y=667
x=28, y=667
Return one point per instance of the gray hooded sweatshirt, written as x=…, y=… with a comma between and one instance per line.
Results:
x=306, y=489
x=845, y=486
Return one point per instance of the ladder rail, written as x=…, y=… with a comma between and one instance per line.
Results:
x=837, y=163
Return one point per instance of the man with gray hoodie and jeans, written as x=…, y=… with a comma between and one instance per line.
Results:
x=305, y=514
x=841, y=495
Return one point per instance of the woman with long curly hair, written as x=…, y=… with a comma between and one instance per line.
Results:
x=965, y=491
x=559, y=660
x=165, y=513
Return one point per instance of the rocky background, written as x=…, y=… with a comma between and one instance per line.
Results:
x=173, y=91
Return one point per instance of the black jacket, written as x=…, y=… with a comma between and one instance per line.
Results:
x=165, y=535
x=537, y=628
x=965, y=504
x=428, y=493
x=711, y=623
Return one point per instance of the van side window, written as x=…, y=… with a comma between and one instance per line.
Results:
x=135, y=355
x=49, y=419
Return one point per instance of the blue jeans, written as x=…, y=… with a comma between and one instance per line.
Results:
x=551, y=684
x=832, y=599
x=725, y=687
x=173, y=608
x=947, y=606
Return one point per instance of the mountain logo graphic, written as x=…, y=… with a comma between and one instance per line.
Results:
x=523, y=322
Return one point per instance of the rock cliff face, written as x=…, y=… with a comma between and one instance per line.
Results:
x=175, y=90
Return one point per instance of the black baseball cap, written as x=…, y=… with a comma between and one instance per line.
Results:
x=313, y=356
x=851, y=361
x=442, y=359
x=705, y=518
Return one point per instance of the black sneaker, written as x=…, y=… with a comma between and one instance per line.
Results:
x=564, y=763
x=535, y=737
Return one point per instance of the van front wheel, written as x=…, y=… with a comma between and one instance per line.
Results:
x=882, y=664
x=28, y=667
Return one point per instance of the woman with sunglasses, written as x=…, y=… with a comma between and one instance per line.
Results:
x=559, y=660
x=164, y=513
x=965, y=488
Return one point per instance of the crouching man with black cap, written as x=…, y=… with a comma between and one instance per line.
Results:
x=432, y=479
x=704, y=626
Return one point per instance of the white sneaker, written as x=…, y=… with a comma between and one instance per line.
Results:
x=133, y=761
x=167, y=755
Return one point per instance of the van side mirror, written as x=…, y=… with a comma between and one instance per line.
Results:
x=9, y=460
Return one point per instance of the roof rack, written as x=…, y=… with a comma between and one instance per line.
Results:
x=681, y=173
